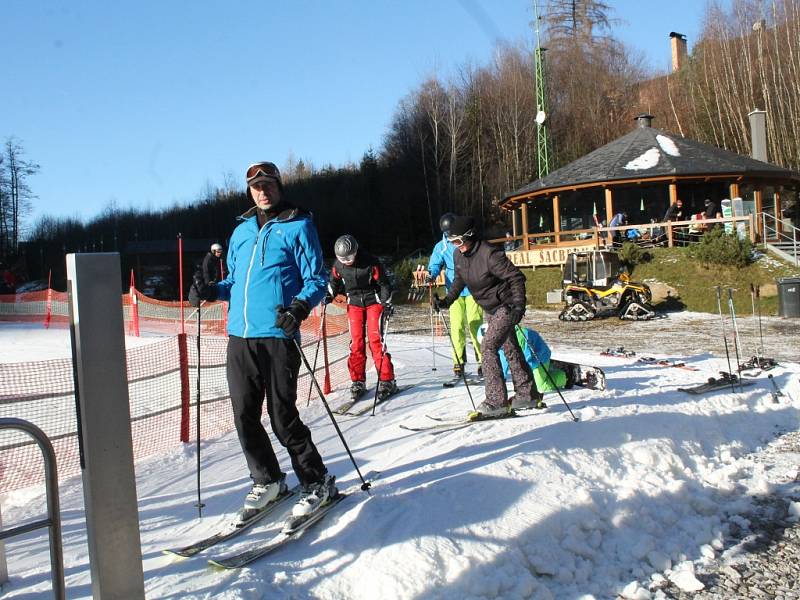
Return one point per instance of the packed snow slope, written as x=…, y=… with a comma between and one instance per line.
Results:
x=639, y=489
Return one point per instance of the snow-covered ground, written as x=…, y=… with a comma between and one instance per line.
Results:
x=642, y=487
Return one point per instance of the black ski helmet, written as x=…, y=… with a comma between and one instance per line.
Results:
x=346, y=246
x=445, y=221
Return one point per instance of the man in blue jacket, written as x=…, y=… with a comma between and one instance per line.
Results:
x=275, y=276
x=464, y=311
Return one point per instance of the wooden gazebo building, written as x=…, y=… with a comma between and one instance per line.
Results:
x=640, y=174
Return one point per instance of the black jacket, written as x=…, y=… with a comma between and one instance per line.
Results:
x=211, y=268
x=364, y=282
x=676, y=213
x=492, y=279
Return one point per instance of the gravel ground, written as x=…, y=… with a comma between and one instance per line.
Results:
x=761, y=556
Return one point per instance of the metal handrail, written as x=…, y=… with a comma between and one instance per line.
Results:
x=53, y=520
x=779, y=235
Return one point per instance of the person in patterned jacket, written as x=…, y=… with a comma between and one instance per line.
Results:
x=498, y=286
x=360, y=276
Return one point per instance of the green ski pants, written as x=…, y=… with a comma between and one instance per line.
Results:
x=465, y=311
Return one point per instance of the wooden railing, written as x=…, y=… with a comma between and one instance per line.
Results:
x=551, y=248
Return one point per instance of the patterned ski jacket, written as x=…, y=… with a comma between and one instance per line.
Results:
x=364, y=282
x=493, y=279
x=268, y=268
x=442, y=258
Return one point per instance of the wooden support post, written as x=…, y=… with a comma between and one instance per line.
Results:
x=778, y=221
x=556, y=220
x=673, y=193
x=524, y=213
x=734, y=190
x=759, y=198
x=609, y=212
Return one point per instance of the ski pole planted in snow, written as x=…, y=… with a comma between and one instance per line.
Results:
x=316, y=352
x=755, y=290
x=384, y=328
x=725, y=335
x=458, y=362
x=433, y=333
x=364, y=484
x=732, y=311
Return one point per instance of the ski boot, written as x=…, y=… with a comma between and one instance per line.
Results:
x=259, y=497
x=386, y=389
x=313, y=497
x=489, y=411
x=357, y=389
x=536, y=402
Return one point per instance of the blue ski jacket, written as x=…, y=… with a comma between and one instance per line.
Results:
x=270, y=267
x=442, y=258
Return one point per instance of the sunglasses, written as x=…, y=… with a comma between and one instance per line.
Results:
x=458, y=240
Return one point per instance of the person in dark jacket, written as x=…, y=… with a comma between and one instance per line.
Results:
x=499, y=288
x=360, y=276
x=676, y=212
x=212, y=265
x=275, y=276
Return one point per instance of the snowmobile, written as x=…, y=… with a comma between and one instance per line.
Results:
x=594, y=283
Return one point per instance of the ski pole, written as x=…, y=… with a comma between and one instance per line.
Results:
x=316, y=352
x=199, y=504
x=760, y=331
x=458, y=361
x=732, y=311
x=550, y=378
x=753, y=321
x=364, y=484
x=384, y=327
x=725, y=336
x=433, y=333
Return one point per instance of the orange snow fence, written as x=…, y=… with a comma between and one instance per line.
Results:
x=162, y=380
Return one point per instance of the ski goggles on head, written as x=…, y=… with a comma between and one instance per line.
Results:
x=262, y=172
x=458, y=240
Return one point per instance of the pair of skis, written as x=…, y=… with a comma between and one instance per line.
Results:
x=364, y=403
x=290, y=531
x=662, y=362
x=727, y=380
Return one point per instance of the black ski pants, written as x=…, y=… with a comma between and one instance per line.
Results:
x=269, y=366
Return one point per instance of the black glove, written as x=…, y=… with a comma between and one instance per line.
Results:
x=289, y=319
x=440, y=303
x=388, y=309
x=199, y=291
x=327, y=299
x=515, y=312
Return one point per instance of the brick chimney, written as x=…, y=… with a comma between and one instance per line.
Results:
x=678, y=48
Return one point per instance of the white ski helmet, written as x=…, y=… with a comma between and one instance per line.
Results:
x=215, y=247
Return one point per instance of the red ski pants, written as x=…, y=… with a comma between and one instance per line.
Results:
x=370, y=317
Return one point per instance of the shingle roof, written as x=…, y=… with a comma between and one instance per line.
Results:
x=647, y=152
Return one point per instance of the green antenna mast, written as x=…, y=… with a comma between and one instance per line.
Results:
x=542, y=142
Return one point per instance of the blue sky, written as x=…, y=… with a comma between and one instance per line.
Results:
x=145, y=104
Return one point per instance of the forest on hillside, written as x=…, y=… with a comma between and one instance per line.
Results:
x=462, y=141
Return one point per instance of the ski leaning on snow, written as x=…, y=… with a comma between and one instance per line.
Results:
x=649, y=360
x=242, y=559
x=593, y=378
x=713, y=384
x=231, y=529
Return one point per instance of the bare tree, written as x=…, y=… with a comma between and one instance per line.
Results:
x=15, y=201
